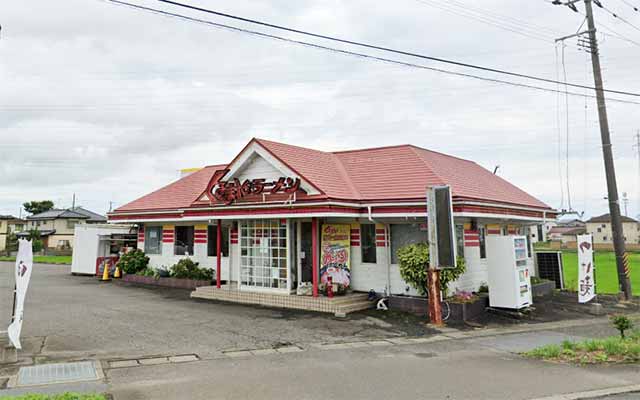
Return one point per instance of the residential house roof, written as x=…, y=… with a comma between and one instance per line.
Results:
x=57, y=214
x=394, y=173
x=607, y=218
x=93, y=217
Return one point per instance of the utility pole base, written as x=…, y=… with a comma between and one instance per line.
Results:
x=435, y=306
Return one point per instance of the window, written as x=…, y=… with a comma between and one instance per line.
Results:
x=460, y=240
x=483, y=247
x=71, y=223
x=604, y=238
x=402, y=235
x=212, y=241
x=153, y=240
x=184, y=241
x=604, y=225
x=599, y=230
x=263, y=254
x=368, y=243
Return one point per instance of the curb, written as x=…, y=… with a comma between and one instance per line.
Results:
x=593, y=393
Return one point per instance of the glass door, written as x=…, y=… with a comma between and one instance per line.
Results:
x=263, y=254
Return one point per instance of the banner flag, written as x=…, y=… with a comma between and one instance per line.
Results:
x=336, y=253
x=24, y=266
x=586, y=274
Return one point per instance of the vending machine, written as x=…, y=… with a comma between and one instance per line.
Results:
x=509, y=277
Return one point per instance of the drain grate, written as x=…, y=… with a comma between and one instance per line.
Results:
x=48, y=374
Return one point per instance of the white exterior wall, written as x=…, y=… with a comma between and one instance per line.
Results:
x=168, y=258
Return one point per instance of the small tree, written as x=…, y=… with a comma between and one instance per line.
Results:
x=622, y=323
x=36, y=242
x=414, y=260
x=37, y=207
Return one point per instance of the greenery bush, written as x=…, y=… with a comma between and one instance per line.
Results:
x=414, y=259
x=622, y=323
x=188, y=269
x=133, y=262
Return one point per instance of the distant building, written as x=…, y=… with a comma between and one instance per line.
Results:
x=600, y=228
x=8, y=224
x=566, y=234
x=56, y=226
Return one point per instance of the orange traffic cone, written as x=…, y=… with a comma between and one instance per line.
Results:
x=105, y=274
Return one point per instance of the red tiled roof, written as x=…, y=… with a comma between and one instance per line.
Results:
x=379, y=174
x=179, y=194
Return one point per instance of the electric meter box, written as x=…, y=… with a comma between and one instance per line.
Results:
x=509, y=275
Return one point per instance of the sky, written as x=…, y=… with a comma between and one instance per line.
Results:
x=108, y=102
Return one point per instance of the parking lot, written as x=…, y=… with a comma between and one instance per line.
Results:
x=76, y=317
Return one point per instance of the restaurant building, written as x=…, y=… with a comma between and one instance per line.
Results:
x=279, y=217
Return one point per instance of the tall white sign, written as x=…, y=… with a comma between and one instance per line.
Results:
x=24, y=266
x=586, y=274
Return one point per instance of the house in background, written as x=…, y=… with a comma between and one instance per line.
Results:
x=8, y=224
x=566, y=234
x=600, y=228
x=56, y=226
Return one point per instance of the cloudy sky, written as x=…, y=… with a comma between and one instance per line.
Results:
x=109, y=102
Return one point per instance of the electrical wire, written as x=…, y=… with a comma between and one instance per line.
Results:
x=365, y=45
x=370, y=57
x=615, y=15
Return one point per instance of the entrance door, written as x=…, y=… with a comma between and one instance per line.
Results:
x=306, y=256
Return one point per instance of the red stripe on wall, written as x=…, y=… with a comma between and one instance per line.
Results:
x=380, y=231
x=355, y=244
x=380, y=244
x=471, y=243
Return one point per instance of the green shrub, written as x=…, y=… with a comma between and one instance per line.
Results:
x=133, y=262
x=414, y=260
x=188, y=269
x=548, y=351
x=622, y=323
x=568, y=345
x=614, y=346
x=147, y=272
x=593, y=345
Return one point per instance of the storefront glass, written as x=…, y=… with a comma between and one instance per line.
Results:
x=263, y=254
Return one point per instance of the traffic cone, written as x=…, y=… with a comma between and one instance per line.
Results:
x=117, y=274
x=105, y=274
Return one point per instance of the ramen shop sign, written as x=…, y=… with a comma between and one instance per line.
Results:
x=232, y=190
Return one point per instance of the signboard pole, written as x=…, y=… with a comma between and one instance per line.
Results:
x=435, y=306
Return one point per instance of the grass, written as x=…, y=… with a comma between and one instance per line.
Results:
x=44, y=259
x=613, y=349
x=63, y=396
x=606, y=274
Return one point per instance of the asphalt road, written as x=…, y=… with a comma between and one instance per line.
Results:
x=76, y=318
x=79, y=317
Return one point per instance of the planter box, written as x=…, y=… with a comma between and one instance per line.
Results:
x=543, y=289
x=410, y=304
x=190, y=284
x=466, y=311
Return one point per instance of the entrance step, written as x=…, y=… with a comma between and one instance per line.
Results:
x=348, y=303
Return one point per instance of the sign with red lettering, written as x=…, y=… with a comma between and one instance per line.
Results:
x=336, y=254
x=232, y=190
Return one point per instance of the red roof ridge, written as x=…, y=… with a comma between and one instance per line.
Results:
x=345, y=175
x=441, y=153
x=395, y=146
x=427, y=164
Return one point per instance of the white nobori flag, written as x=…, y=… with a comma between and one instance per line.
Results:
x=586, y=274
x=24, y=265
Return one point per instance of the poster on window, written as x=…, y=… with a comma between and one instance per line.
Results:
x=336, y=253
x=24, y=264
x=586, y=281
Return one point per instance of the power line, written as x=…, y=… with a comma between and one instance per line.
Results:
x=635, y=8
x=366, y=56
x=369, y=46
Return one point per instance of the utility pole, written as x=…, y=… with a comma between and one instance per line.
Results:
x=610, y=172
x=637, y=146
x=73, y=203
